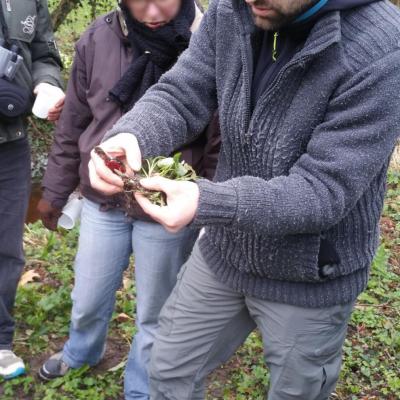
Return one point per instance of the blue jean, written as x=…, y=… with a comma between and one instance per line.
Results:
x=15, y=178
x=106, y=242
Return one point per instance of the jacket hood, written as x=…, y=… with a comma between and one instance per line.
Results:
x=321, y=7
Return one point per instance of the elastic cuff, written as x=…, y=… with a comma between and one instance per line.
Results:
x=50, y=80
x=53, y=200
x=217, y=203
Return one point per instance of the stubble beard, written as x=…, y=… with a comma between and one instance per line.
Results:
x=286, y=11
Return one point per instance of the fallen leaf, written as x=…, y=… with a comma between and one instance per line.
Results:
x=28, y=276
x=117, y=367
x=127, y=283
x=123, y=317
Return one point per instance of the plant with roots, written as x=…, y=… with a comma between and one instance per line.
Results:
x=168, y=167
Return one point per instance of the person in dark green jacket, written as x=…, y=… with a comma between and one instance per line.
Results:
x=25, y=27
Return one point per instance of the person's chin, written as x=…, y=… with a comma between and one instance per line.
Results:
x=267, y=24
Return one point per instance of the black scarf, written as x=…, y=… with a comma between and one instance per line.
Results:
x=158, y=50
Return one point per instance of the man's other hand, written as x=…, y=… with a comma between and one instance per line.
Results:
x=182, y=202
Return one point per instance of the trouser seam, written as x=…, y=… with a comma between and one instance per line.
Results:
x=285, y=360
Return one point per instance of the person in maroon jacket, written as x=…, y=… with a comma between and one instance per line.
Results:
x=117, y=59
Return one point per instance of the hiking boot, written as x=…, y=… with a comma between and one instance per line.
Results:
x=54, y=367
x=11, y=366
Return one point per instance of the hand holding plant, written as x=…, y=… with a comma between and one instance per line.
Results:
x=123, y=146
x=166, y=167
x=182, y=202
x=162, y=186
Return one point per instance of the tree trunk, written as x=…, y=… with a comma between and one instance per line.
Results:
x=61, y=12
x=94, y=5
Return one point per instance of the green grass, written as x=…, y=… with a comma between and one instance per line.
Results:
x=42, y=312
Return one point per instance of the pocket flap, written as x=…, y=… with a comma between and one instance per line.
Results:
x=22, y=20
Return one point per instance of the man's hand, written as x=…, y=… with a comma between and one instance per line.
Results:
x=55, y=112
x=48, y=214
x=182, y=202
x=125, y=147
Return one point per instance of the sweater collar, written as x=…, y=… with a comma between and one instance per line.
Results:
x=325, y=32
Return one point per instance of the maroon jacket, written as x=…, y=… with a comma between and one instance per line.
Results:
x=102, y=56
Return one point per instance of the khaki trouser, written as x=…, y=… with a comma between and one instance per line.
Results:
x=302, y=346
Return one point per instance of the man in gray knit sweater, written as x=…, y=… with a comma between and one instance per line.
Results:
x=308, y=96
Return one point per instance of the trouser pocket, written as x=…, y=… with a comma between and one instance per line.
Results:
x=306, y=377
x=308, y=367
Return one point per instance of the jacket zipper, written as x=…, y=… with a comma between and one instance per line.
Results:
x=271, y=88
x=267, y=93
x=278, y=78
x=247, y=82
x=283, y=72
x=275, y=82
x=275, y=47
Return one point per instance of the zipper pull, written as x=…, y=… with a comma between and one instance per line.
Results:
x=275, y=47
x=8, y=5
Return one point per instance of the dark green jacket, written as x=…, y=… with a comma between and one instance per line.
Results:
x=30, y=28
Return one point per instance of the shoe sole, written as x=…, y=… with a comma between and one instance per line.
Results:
x=43, y=375
x=18, y=372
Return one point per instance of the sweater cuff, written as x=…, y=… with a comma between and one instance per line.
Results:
x=139, y=123
x=217, y=203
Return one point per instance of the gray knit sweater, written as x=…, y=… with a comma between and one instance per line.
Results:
x=309, y=163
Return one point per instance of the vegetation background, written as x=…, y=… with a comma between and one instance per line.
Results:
x=371, y=368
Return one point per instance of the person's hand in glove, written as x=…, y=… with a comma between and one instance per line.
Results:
x=48, y=214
